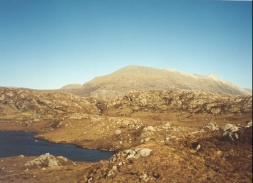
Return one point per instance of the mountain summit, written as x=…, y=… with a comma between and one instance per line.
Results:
x=140, y=78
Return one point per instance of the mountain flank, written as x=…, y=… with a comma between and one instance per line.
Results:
x=140, y=78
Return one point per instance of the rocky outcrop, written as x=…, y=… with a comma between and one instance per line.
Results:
x=212, y=126
x=180, y=100
x=48, y=160
x=131, y=153
x=118, y=160
x=249, y=124
x=50, y=104
x=230, y=131
x=43, y=104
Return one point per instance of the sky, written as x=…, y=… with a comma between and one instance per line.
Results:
x=51, y=43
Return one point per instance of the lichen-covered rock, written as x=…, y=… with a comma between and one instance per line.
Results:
x=132, y=153
x=48, y=160
x=230, y=130
x=249, y=124
x=144, y=152
x=117, y=132
x=230, y=127
x=212, y=126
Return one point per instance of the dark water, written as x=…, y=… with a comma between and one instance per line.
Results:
x=17, y=143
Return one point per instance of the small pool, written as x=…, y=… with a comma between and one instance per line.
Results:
x=14, y=143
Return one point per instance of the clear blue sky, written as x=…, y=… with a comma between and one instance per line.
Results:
x=46, y=44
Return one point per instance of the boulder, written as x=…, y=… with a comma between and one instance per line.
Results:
x=230, y=127
x=249, y=124
x=131, y=153
x=230, y=130
x=138, y=152
x=144, y=152
x=117, y=132
x=48, y=160
x=212, y=126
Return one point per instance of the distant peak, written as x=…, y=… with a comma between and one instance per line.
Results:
x=140, y=78
x=135, y=67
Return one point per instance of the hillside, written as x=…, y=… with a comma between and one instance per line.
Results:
x=158, y=135
x=195, y=136
x=139, y=78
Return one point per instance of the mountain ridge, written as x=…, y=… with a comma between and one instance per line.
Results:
x=142, y=78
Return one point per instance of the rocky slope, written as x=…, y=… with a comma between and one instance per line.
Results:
x=138, y=78
x=193, y=102
x=159, y=136
x=34, y=104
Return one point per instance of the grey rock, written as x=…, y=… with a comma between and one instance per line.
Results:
x=230, y=127
x=230, y=131
x=147, y=139
x=144, y=152
x=132, y=153
x=249, y=124
x=198, y=147
x=109, y=173
x=117, y=132
x=47, y=160
x=212, y=126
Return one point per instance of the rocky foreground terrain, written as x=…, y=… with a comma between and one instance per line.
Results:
x=158, y=136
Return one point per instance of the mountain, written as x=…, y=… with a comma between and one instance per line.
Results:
x=140, y=78
x=151, y=132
